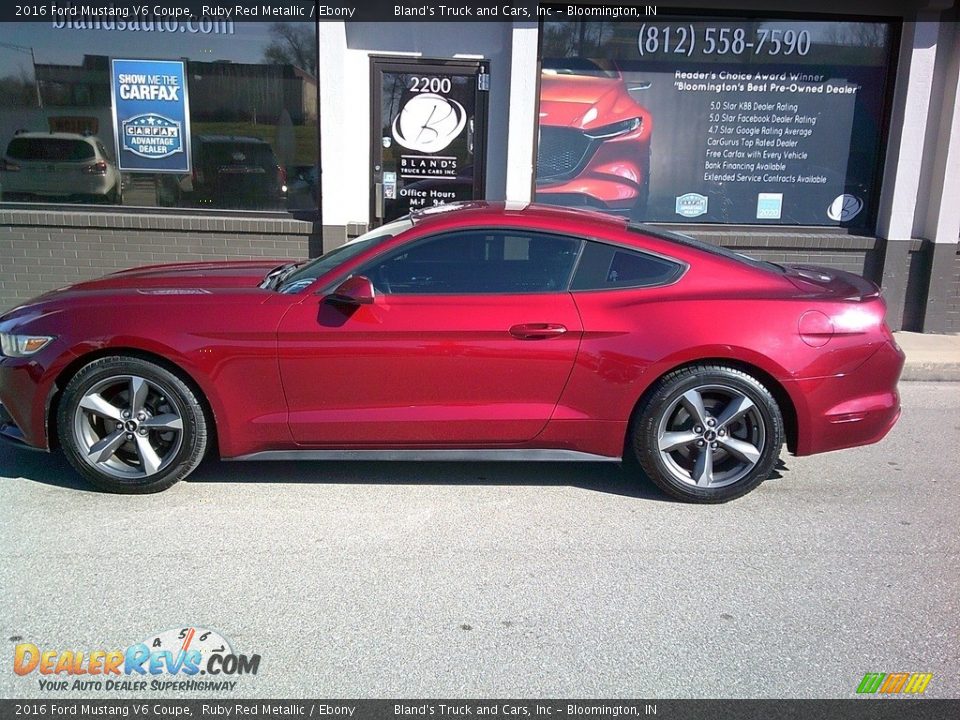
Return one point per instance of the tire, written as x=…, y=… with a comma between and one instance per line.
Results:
x=712, y=451
x=130, y=426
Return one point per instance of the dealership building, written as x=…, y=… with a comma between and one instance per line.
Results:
x=823, y=133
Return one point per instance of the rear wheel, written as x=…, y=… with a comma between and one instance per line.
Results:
x=131, y=426
x=708, y=434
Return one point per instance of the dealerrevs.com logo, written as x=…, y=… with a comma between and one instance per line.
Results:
x=184, y=659
x=894, y=683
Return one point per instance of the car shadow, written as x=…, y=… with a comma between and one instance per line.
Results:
x=46, y=468
x=611, y=478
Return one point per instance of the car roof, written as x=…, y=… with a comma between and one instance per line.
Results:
x=55, y=136
x=229, y=139
x=479, y=210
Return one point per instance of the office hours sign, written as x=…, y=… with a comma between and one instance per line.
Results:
x=716, y=119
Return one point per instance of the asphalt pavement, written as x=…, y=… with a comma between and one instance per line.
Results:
x=506, y=580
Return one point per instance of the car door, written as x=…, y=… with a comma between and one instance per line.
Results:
x=470, y=340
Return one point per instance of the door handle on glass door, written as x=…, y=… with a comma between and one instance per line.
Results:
x=537, y=331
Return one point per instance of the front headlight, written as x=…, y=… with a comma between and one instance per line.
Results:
x=23, y=345
x=614, y=129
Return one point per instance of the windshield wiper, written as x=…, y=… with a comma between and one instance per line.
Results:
x=278, y=275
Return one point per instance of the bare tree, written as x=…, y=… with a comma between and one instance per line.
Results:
x=871, y=35
x=18, y=91
x=293, y=44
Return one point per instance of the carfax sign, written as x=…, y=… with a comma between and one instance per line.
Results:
x=151, y=115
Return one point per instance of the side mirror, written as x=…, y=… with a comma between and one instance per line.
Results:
x=355, y=290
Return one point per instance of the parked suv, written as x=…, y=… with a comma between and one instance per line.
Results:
x=228, y=171
x=59, y=166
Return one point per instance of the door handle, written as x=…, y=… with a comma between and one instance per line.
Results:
x=537, y=331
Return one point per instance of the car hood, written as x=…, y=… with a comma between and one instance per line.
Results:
x=568, y=101
x=209, y=276
x=183, y=280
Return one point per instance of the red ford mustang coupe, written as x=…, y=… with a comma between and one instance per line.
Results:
x=484, y=332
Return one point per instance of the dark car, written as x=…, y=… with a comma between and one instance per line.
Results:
x=483, y=332
x=229, y=171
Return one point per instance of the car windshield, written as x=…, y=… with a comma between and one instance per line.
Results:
x=300, y=278
x=225, y=155
x=50, y=149
x=682, y=239
x=579, y=66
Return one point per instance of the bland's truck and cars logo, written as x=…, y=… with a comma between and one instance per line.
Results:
x=171, y=660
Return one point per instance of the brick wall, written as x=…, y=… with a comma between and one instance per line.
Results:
x=953, y=306
x=844, y=252
x=918, y=280
x=42, y=250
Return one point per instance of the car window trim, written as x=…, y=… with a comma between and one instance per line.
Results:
x=583, y=238
x=681, y=264
x=485, y=228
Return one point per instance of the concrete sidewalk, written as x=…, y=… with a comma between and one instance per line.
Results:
x=930, y=357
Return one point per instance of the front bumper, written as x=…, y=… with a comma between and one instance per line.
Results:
x=11, y=433
x=612, y=177
x=856, y=408
x=26, y=386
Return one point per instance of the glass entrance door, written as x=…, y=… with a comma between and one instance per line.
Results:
x=428, y=134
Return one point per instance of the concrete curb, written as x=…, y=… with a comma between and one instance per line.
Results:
x=930, y=372
x=930, y=358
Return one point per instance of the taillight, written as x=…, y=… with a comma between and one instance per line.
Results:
x=282, y=178
x=97, y=168
x=9, y=166
x=858, y=319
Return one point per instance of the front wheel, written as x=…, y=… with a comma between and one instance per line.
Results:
x=708, y=434
x=131, y=426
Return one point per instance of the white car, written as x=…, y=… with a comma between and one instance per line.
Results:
x=65, y=166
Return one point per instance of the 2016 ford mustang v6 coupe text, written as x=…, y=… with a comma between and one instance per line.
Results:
x=485, y=332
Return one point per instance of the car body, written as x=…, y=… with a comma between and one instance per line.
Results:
x=594, y=139
x=59, y=166
x=228, y=171
x=484, y=331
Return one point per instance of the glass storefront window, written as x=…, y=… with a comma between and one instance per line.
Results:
x=209, y=114
x=715, y=119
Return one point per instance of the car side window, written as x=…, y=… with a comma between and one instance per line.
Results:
x=477, y=262
x=604, y=266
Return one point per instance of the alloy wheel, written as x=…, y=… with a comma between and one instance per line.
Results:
x=711, y=436
x=128, y=427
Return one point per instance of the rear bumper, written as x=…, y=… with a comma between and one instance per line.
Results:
x=857, y=408
x=92, y=185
